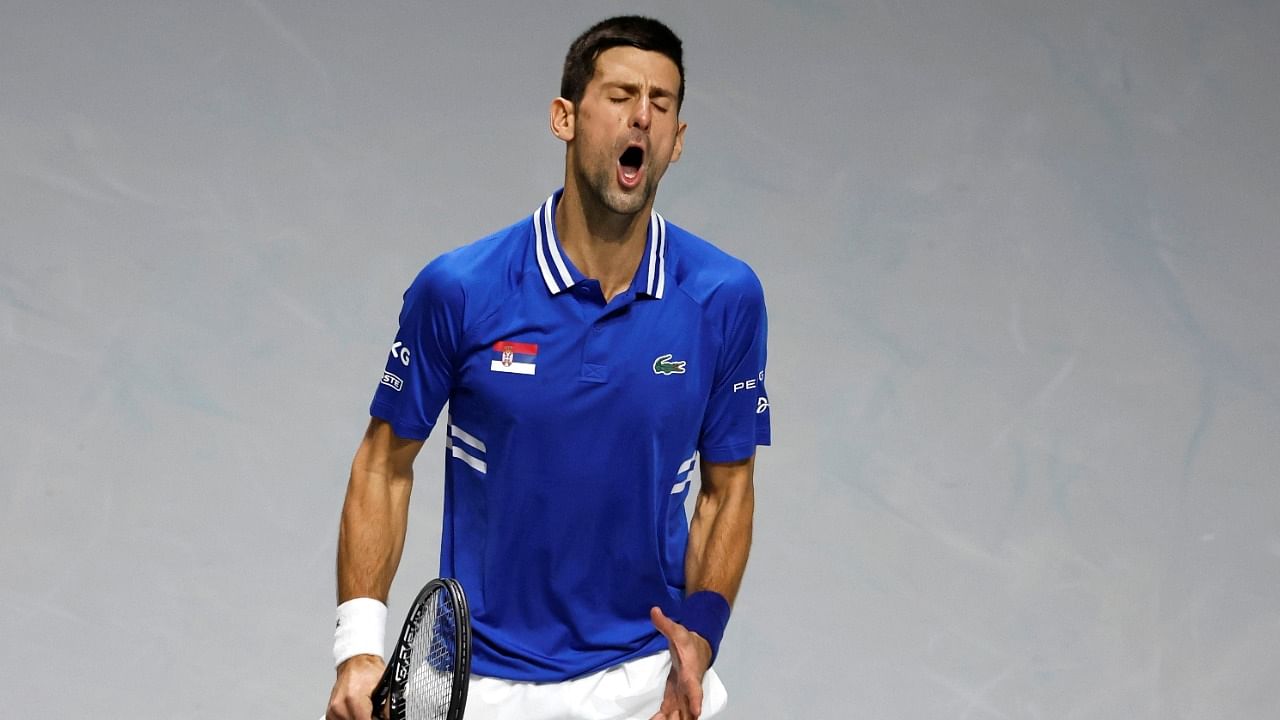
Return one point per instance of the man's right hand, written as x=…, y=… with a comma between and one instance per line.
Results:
x=352, y=694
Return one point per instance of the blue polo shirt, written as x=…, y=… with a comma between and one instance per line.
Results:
x=573, y=427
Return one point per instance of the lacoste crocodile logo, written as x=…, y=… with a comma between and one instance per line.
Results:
x=664, y=365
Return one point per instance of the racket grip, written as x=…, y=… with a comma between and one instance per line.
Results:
x=379, y=699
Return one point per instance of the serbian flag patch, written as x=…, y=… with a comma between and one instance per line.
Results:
x=514, y=357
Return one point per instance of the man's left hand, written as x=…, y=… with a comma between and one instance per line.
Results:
x=690, y=658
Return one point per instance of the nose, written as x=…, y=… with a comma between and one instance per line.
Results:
x=641, y=114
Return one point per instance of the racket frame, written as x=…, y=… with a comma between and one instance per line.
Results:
x=390, y=689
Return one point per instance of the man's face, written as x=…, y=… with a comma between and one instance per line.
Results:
x=625, y=128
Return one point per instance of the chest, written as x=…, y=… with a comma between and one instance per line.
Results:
x=643, y=367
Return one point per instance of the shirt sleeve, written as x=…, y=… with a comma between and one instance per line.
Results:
x=420, y=367
x=737, y=417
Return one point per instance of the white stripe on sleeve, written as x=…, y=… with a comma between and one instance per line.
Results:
x=476, y=463
x=467, y=438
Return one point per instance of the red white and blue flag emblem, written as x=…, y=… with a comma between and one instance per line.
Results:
x=514, y=357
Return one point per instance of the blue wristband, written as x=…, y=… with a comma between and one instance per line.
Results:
x=706, y=612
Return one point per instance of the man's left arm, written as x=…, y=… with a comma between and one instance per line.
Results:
x=720, y=532
x=719, y=542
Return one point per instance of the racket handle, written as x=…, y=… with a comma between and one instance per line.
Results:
x=380, y=699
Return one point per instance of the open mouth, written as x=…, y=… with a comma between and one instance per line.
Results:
x=630, y=163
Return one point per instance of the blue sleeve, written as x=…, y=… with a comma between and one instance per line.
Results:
x=419, y=374
x=737, y=417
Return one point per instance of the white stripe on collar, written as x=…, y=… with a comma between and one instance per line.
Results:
x=553, y=243
x=653, y=251
x=556, y=274
x=544, y=226
x=661, y=239
x=542, y=256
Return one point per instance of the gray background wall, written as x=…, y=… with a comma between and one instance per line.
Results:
x=1021, y=263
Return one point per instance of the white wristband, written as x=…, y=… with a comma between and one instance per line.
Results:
x=362, y=623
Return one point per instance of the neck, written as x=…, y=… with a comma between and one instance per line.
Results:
x=602, y=244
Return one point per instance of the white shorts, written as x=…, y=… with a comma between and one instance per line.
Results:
x=630, y=691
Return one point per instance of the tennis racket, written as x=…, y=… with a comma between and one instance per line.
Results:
x=426, y=677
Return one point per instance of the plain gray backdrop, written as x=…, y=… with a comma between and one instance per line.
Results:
x=1021, y=262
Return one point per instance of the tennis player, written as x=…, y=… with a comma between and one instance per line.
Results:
x=591, y=355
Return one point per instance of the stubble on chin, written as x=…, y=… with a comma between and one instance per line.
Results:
x=624, y=203
x=616, y=199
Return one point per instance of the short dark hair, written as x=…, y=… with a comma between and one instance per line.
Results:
x=634, y=30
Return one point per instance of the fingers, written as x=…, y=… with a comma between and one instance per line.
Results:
x=350, y=699
x=667, y=710
x=664, y=624
x=695, y=702
x=675, y=633
x=349, y=708
x=682, y=696
x=671, y=630
x=689, y=690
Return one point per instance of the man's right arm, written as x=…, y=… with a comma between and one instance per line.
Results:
x=370, y=540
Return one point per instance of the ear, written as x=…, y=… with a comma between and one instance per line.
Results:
x=679, y=146
x=562, y=119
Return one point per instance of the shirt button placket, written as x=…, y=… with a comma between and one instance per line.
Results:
x=595, y=356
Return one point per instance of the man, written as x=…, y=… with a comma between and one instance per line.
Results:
x=589, y=354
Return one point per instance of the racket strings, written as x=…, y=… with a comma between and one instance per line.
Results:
x=429, y=687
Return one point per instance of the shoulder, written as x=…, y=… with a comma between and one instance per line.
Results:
x=707, y=274
x=484, y=268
